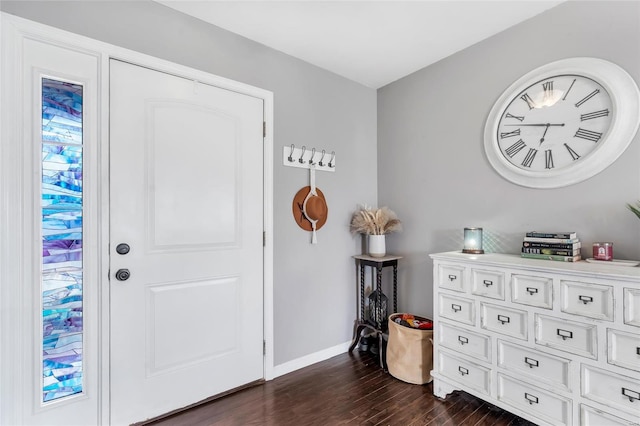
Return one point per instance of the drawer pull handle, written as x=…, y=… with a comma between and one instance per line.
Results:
x=452, y=277
x=585, y=299
x=504, y=319
x=565, y=334
x=631, y=394
x=638, y=350
x=463, y=340
x=531, y=398
x=463, y=370
x=531, y=362
x=456, y=308
x=487, y=283
x=532, y=290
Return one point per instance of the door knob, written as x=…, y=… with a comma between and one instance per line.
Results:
x=123, y=274
x=123, y=248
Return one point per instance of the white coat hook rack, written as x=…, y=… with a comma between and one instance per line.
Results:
x=304, y=158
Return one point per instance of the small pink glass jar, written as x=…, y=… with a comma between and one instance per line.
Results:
x=603, y=251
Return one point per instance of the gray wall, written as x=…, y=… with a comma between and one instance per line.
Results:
x=431, y=167
x=431, y=164
x=314, y=286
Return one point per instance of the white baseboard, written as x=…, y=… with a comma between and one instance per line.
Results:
x=307, y=360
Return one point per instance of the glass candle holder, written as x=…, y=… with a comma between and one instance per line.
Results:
x=603, y=251
x=473, y=241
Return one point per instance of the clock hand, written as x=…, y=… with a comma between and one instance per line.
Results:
x=537, y=125
x=545, y=132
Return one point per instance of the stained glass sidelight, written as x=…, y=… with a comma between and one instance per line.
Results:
x=62, y=332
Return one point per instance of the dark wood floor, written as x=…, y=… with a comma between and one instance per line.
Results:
x=349, y=389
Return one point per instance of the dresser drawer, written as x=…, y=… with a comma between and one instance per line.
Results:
x=555, y=342
x=464, y=341
x=451, y=277
x=610, y=389
x=487, y=283
x=535, y=364
x=623, y=349
x=566, y=335
x=589, y=416
x=511, y=322
x=550, y=407
x=532, y=291
x=589, y=300
x=457, y=309
x=632, y=306
x=465, y=372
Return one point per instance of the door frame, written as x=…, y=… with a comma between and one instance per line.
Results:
x=14, y=243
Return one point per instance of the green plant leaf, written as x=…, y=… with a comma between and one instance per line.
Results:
x=635, y=209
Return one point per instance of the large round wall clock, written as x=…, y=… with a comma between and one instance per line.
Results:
x=562, y=123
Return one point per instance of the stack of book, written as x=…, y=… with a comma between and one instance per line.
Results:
x=560, y=246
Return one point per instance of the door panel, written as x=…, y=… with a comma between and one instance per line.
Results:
x=168, y=347
x=186, y=196
x=212, y=215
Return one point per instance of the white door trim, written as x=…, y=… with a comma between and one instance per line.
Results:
x=12, y=188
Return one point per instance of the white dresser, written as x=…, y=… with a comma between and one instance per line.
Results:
x=556, y=343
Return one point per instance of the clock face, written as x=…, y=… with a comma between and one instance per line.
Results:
x=554, y=123
x=562, y=123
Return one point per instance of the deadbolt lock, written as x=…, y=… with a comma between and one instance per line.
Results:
x=123, y=248
x=123, y=274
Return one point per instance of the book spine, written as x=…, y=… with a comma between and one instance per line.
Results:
x=557, y=246
x=558, y=252
x=552, y=240
x=551, y=257
x=564, y=235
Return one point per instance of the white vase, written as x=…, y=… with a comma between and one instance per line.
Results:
x=377, y=246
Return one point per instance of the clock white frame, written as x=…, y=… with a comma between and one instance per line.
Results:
x=625, y=100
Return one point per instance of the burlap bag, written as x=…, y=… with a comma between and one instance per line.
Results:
x=409, y=353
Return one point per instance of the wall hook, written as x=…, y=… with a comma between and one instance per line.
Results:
x=312, y=160
x=293, y=147
x=313, y=154
x=320, y=163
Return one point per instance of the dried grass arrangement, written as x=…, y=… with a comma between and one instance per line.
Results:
x=371, y=221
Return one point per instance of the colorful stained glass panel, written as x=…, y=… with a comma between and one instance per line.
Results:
x=62, y=307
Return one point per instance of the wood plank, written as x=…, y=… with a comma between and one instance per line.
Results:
x=349, y=389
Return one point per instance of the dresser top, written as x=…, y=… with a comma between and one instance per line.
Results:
x=582, y=267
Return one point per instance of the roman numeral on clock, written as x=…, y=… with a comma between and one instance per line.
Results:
x=529, y=158
x=548, y=89
x=548, y=159
x=588, y=135
x=586, y=98
x=573, y=154
x=510, y=134
x=530, y=103
x=596, y=114
x=515, y=148
x=517, y=117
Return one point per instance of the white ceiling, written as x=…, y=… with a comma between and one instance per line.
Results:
x=371, y=42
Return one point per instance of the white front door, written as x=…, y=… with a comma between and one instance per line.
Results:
x=186, y=197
